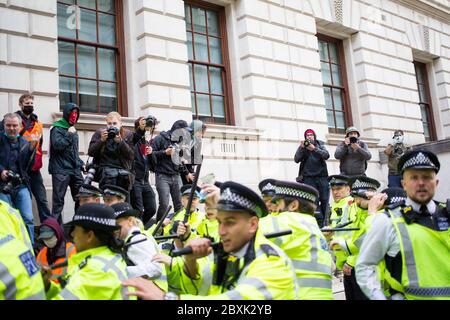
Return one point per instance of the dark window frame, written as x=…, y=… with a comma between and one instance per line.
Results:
x=422, y=67
x=120, y=60
x=225, y=66
x=346, y=108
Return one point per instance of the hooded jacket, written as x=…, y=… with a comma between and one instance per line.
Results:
x=59, y=251
x=312, y=163
x=64, y=157
x=164, y=163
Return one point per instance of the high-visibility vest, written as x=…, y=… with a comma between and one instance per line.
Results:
x=20, y=276
x=270, y=276
x=342, y=204
x=425, y=260
x=194, y=220
x=58, y=272
x=308, y=250
x=11, y=222
x=209, y=228
x=93, y=274
x=36, y=130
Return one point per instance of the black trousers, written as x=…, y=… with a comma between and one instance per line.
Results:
x=143, y=199
x=352, y=289
x=39, y=194
x=60, y=183
x=322, y=185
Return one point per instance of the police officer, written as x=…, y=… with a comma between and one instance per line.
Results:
x=340, y=190
x=89, y=194
x=114, y=194
x=412, y=238
x=250, y=266
x=267, y=188
x=306, y=246
x=95, y=272
x=11, y=222
x=362, y=189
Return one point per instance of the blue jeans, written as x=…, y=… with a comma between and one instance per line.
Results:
x=168, y=186
x=395, y=181
x=21, y=200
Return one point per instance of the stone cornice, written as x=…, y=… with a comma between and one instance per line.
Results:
x=430, y=7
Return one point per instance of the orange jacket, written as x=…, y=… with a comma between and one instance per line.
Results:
x=58, y=272
x=36, y=131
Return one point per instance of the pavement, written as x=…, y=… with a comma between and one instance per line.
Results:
x=338, y=287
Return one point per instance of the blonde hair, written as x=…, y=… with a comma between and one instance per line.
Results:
x=137, y=223
x=114, y=114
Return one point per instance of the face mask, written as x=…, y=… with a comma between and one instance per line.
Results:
x=73, y=117
x=398, y=139
x=148, y=136
x=51, y=243
x=12, y=137
x=27, y=110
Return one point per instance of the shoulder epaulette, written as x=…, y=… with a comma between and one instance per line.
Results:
x=267, y=249
x=84, y=262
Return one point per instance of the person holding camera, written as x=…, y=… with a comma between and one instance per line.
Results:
x=142, y=195
x=313, y=171
x=16, y=159
x=394, y=151
x=32, y=131
x=353, y=154
x=166, y=150
x=112, y=150
x=65, y=163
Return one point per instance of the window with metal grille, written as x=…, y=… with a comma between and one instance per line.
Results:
x=335, y=86
x=425, y=101
x=90, y=46
x=210, y=81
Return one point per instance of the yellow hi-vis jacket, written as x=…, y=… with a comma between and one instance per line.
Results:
x=308, y=250
x=93, y=274
x=20, y=276
x=11, y=222
x=270, y=276
x=425, y=260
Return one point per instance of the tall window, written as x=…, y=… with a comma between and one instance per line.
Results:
x=90, y=60
x=334, y=84
x=425, y=101
x=208, y=62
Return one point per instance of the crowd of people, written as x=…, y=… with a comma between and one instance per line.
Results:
x=221, y=240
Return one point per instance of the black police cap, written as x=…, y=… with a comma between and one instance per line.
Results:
x=267, y=187
x=86, y=190
x=110, y=189
x=338, y=180
x=186, y=189
x=394, y=195
x=96, y=216
x=237, y=197
x=297, y=190
x=124, y=209
x=419, y=159
x=361, y=184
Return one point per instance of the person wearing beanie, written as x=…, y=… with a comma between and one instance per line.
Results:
x=312, y=156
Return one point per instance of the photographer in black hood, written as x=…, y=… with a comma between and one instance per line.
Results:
x=166, y=147
x=142, y=195
x=113, y=152
x=65, y=163
x=313, y=169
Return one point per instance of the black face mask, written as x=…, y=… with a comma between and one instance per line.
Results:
x=28, y=110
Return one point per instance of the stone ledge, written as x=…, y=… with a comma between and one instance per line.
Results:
x=440, y=146
x=89, y=121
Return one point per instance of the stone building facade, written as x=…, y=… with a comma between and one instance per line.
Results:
x=262, y=71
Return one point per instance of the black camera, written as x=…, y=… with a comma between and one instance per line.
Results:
x=307, y=142
x=353, y=140
x=112, y=132
x=151, y=121
x=13, y=180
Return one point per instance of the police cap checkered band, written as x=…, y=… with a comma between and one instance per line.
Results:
x=95, y=215
x=394, y=195
x=396, y=199
x=124, y=209
x=338, y=180
x=239, y=197
x=365, y=183
x=419, y=159
x=295, y=190
x=267, y=186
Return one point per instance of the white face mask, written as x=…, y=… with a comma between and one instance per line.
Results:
x=51, y=242
x=398, y=139
x=147, y=136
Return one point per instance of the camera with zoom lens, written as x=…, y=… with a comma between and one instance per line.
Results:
x=307, y=142
x=13, y=180
x=151, y=122
x=112, y=132
x=91, y=170
x=353, y=140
